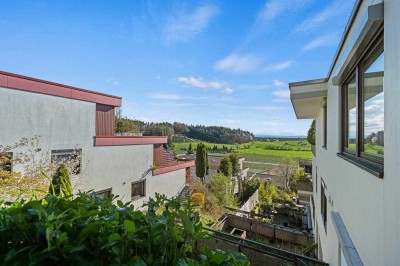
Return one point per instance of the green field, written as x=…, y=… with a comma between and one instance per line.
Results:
x=270, y=152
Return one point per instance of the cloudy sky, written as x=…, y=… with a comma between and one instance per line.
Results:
x=198, y=62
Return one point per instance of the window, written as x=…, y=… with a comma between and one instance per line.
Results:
x=316, y=179
x=71, y=158
x=363, y=108
x=106, y=193
x=138, y=190
x=325, y=140
x=5, y=163
x=323, y=205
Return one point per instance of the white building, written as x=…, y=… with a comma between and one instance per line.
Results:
x=66, y=117
x=356, y=168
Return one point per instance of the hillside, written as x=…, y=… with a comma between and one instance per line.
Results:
x=214, y=134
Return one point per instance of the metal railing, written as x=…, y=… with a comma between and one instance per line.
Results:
x=272, y=255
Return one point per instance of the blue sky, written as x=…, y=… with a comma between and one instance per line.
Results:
x=198, y=62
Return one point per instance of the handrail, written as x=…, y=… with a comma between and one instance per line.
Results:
x=263, y=248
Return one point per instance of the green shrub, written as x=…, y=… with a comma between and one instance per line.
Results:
x=89, y=230
x=61, y=184
x=311, y=133
x=197, y=199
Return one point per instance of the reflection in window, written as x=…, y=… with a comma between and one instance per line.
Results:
x=373, y=95
x=351, y=115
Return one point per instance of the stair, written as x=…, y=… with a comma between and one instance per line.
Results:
x=185, y=192
x=168, y=158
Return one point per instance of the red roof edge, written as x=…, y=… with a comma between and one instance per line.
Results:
x=25, y=83
x=129, y=140
x=174, y=167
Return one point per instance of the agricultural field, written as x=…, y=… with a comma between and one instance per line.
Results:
x=259, y=155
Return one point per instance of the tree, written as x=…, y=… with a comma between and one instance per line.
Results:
x=222, y=187
x=311, y=133
x=190, y=149
x=61, y=184
x=286, y=169
x=225, y=167
x=201, y=161
x=235, y=164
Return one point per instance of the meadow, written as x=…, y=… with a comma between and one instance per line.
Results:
x=259, y=155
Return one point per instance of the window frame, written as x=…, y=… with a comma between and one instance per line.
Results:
x=325, y=117
x=10, y=161
x=54, y=154
x=143, y=194
x=357, y=73
x=108, y=191
x=324, y=205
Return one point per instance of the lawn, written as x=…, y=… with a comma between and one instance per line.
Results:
x=259, y=151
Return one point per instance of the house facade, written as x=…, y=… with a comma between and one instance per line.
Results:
x=356, y=167
x=70, y=119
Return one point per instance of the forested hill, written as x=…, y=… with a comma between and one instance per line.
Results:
x=213, y=134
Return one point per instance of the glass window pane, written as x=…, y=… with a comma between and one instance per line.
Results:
x=373, y=97
x=351, y=115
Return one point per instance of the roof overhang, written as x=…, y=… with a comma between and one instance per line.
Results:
x=308, y=96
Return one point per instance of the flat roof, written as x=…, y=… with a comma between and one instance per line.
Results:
x=19, y=82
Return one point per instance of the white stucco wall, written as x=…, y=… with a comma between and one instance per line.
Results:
x=369, y=206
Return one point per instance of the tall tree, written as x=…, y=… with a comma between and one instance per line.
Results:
x=311, y=133
x=225, y=167
x=234, y=158
x=201, y=161
x=190, y=149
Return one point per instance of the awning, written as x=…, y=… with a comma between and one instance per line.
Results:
x=307, y=97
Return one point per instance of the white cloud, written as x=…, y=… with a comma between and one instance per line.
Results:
x=325, y=40
x=158, y=77
x=203, y=84
x=200, y=83
x=279, y=66
x=184, y=26
x=278, y=83
x=238, y=64
x=337, y=8
x=227, y=90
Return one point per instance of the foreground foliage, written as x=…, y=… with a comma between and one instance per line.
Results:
x=89, y=230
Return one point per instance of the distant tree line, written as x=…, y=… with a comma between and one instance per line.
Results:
x=205, y=133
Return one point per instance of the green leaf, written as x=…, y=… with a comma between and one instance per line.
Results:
x=218, y=258
x=120, y=204
x=129, y=226
x=92, y=227
x=114, y=237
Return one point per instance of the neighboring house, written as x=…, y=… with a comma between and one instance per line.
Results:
x=133, y=167
x=356, y=163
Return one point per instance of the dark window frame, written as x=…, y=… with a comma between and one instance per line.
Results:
x=56, y=154
x=325, y=136
x=104, y=191
x=324, y=205
x=143, y=188
x=371, y=163
x=7, y=166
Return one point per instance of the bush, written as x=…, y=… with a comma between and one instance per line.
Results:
x=61, y=184
x=90, y=230
x=197, y=199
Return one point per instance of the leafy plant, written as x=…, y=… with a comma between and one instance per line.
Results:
x=197, y=199
x=61, y=184
x=89, y=230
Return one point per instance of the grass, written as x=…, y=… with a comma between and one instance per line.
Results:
x=264, y=152
x=369, y=148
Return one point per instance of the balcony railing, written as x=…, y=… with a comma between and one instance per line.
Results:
x=257, y=253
